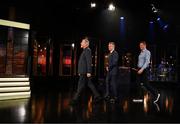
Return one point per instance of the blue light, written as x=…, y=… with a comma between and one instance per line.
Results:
x=122, y=28
x=121, y=17
x=165, y=26
x=158, y=19
x=151, y=31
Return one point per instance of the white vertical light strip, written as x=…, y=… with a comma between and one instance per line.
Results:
x=14, y=24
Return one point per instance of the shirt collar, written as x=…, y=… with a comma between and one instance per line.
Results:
x=111, y=51
x=86, y=48
x=144, y=50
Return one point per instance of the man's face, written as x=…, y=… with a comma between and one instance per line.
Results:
x=83, y=44
x=110, y=47
x=142, y=46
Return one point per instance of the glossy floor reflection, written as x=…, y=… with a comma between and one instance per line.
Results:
x=15, y=111
x=52, y=105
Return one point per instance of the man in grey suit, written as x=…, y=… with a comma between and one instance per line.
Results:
x=112, y=72
x=84, y=71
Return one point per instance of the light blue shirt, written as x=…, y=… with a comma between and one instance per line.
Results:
x=144, y=59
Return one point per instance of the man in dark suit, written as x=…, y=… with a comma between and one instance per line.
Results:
x=112, y=72
x=84, y=71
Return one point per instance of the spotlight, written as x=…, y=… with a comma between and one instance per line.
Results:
x=158, y=19
x=93, y=5
x=165, y=27
x=111, y=7
x=151, y=22
x=121, y=17
x=72, y=45
x=154, y=9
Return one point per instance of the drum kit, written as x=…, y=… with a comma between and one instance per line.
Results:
x=163, y=72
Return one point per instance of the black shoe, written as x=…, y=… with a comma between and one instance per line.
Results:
x=73, y=102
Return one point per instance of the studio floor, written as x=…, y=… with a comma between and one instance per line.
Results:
x=51, y=104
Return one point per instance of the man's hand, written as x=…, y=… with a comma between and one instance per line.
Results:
x=88, y=74
x=107, y=69
x=140, y=71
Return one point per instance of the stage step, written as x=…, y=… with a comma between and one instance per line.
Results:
x=15, y=95
x=13, y=79
x=13, y=84
x=14, y=88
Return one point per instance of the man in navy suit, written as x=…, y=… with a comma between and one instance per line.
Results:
x=84, y=72
x=112, y=72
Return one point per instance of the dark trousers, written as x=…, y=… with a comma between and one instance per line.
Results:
x=111, y=85
x=143, y=78
x=82, y=83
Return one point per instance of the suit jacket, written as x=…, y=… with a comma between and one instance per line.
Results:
x=85, y=61
x=113, y=63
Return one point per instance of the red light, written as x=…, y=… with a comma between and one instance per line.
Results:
x=67, y=60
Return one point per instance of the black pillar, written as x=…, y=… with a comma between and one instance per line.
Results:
x=100, y=60
x=56, y=57
x=48, y=43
